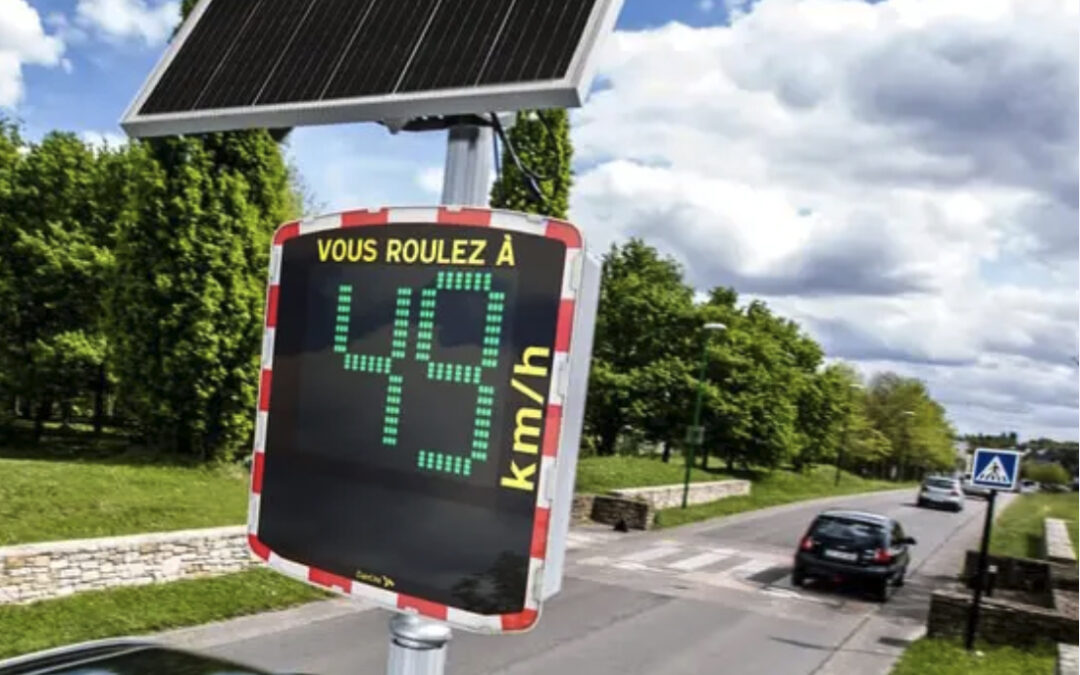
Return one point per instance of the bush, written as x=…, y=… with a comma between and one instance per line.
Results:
x=1050, y=473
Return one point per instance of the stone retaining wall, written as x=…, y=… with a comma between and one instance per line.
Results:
x=1057, y=543
x=1068, y=659
x=1024, y=574
x=1001, y=621
x=633, y=514
x=53, y=569
x=581, y=509
x=669, y=496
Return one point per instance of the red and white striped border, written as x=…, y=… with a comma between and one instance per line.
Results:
x=552, y=432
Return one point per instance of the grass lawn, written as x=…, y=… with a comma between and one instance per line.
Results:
x=145, y=609
x=936, y=656
x=47, y=499
x=778, y=487
x=600, y=474
x=1019, y=529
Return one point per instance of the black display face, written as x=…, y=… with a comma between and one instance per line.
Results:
x=410, y=380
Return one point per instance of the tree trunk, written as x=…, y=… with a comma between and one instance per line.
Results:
x=43, y=412
x=608, y=436
x=99, y=400
x=666, y=456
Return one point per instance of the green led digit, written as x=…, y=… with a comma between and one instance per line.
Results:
x=380, y=365
x=470, y=282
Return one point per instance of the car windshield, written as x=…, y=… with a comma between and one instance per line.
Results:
x=855, y=532
x=939, y=482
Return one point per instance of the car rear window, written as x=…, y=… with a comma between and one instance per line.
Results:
x=939, y=482
x=854, y=532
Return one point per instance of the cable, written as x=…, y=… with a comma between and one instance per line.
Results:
x=498, y=159
x=531, y=179
x=557, y=179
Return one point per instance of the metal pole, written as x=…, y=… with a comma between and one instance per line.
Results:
x=417, y=646
x=980, y=574
x=468, y=166
x=697, y=418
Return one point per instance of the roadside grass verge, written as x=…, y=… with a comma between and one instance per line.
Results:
x=145, y=609
x=775, y=488
x=600, y=474
x=1019, y=529
x=937, y=656
x=49, y=498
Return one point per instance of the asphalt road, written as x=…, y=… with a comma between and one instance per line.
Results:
x=711, y=597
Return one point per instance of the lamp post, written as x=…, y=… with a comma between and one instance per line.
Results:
x=695, y=434
x=847, y=423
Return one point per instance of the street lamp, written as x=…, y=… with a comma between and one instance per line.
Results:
x=847, y=423
x=696, y=434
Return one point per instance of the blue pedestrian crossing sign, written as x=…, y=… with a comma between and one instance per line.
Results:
x=998, y=469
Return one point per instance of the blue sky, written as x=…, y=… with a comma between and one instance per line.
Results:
x=898, y=176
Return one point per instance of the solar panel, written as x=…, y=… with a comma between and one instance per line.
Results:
x=283, y=63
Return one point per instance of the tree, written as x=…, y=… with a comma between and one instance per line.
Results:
x=541, y=140
x=645, y=329
x=920, y=436
x=1005, y=440
x=59, y=267
x=186, y=311
x=11, y=157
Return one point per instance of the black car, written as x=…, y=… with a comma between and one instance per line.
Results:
x=121, y=657
x=854, y=546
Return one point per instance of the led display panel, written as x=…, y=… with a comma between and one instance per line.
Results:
x=406, y=412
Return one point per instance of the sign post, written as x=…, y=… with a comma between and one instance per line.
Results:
x=997, y=470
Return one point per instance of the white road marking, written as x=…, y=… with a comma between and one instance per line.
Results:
x=698, y=561
x=631, y=566
x=652, y=553
x=750, y=568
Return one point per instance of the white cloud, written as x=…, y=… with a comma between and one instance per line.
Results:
x=23, y=41
x=706, y=5
x=119, y=20
x=430, y=179
x=901, y=177
x=100, y=140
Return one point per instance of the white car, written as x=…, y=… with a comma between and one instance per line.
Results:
x=1028, y=487
x=974, y=490
x=942, y=492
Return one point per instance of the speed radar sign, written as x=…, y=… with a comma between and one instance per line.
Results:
x=423, y=381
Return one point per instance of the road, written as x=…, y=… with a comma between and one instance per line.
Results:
x=712, y=597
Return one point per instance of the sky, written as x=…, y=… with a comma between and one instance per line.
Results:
x=899, y=176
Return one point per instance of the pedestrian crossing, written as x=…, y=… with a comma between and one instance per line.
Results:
x=577, y=540
x=697, y=564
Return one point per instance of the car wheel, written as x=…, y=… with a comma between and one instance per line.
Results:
x=922, y=503
x=881, y=590
x=798, y=577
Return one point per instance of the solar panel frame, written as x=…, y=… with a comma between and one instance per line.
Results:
x=565, y=92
